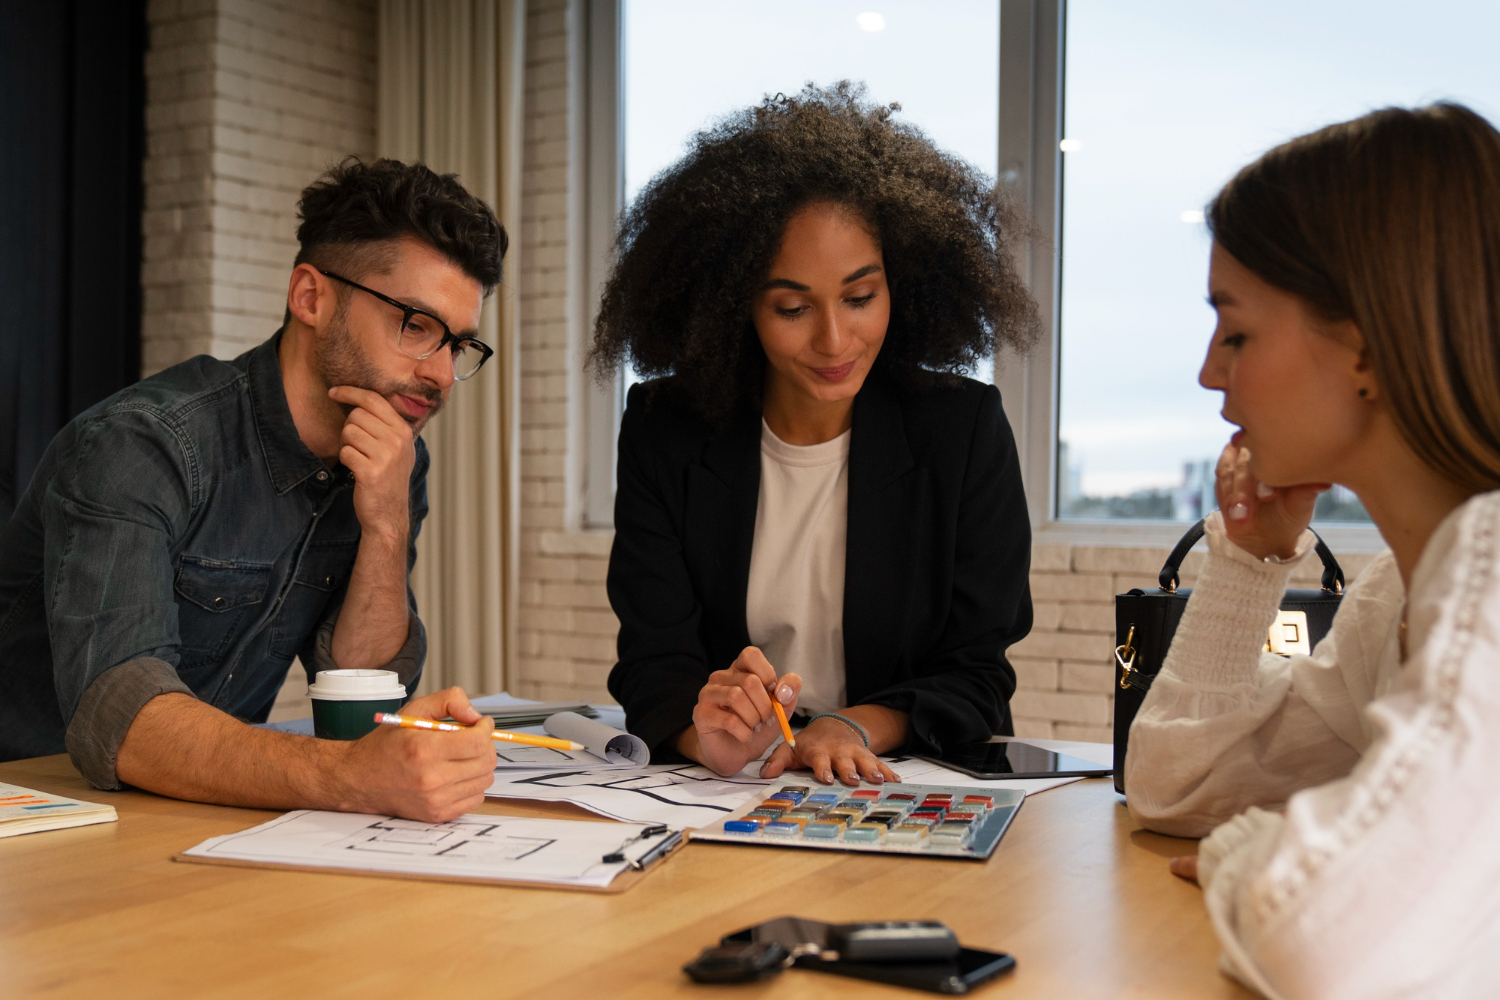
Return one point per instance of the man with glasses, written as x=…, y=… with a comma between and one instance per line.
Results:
x=183, y=540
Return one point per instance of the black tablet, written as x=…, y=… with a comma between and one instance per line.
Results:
x=1016, y=760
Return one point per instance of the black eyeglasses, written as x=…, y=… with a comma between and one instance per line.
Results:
x=422, y=334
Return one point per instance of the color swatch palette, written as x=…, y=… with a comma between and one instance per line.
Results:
x=931, y=820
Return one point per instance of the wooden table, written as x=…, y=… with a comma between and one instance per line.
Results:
x=1075, y=892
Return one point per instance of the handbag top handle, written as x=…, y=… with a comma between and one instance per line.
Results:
x=1333, y=573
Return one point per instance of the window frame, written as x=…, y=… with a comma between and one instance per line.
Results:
x=1033, y=53
x=1033, y=38
x=604, y=197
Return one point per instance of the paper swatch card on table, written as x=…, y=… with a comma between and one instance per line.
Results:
x=24, y=810
x=935, y=821
x=472, y=848
x=605, y=748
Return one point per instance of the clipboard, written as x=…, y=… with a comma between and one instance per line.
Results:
x=634, y=872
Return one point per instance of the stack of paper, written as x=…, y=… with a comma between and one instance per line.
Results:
x=513, y=713
x=23, y=810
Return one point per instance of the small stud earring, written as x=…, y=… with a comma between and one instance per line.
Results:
x=1363, y=393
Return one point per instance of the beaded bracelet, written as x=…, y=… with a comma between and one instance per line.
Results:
x=846, y=721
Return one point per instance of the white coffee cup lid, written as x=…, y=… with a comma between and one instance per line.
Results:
x=356, y=685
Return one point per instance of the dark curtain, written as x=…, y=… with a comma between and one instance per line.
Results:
x=72, y=100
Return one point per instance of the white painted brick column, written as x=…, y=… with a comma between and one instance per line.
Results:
x=247, y=101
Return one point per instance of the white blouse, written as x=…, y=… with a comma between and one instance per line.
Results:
x=1352, y=799
x=794, y=604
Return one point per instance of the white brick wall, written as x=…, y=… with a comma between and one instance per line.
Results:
x=567, y=630
x=247, y=101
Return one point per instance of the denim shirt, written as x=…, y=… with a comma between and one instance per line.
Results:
x=178, y=536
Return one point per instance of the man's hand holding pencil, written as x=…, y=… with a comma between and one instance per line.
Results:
x=428, y=776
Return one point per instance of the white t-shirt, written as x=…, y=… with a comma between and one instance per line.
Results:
x=794, y=606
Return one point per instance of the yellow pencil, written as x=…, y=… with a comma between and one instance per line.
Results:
x=786, y=727
x=387, y=719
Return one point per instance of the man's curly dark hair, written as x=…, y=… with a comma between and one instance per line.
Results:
x=699, y=240
x=352, y=215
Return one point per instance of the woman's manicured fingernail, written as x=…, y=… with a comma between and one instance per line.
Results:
x=827, y=777
x=1238, y=512
x=757, y=726
x=1264, y=492
x=878, y=778
x=1244, y=454
x=784, y=694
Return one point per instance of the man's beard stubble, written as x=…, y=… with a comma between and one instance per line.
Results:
x=341, y=361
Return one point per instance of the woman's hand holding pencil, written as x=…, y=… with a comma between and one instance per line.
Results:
x=742, y=712
x=735, y=720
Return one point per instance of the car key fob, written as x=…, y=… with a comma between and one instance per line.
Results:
x=738, y=963
x=892, y=941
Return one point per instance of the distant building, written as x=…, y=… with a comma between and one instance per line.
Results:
x=1069, y=480
x=1195, y=497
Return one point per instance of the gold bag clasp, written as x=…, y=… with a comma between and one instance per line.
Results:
x=1125, y=656
x=1288, y=634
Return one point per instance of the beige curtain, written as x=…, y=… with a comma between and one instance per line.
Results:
x=451, y=85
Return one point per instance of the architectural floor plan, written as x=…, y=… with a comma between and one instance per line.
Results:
x=472, y=847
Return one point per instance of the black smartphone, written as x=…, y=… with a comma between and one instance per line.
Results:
x=957, y=975
x=1016, y=760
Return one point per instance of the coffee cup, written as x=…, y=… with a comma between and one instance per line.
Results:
x=344, y=702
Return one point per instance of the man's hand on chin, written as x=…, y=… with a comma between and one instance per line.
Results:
x=379, y=449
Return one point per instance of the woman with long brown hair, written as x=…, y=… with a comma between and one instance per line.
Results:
x=1348, y=796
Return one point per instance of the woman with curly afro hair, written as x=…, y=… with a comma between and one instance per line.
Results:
x=813, y=504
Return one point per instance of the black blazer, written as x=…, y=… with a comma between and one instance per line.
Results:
x=935, y=580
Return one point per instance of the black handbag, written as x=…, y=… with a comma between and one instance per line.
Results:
x=1145, y=623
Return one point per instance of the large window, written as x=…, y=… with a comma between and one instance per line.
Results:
x=1165, y=100
x=1155, y=105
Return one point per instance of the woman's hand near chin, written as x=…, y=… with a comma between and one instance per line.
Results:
x=1263, y=520
x=733, y=722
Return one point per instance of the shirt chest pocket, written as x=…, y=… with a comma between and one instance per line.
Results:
x=216, y=600
x=323, y=573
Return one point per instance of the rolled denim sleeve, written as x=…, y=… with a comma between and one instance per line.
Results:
x=408, y=662
x=123, y=489
x=107, y=710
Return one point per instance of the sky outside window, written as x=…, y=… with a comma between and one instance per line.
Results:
x=1165, y=100
x=688, y=62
